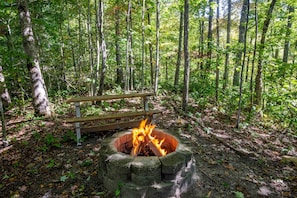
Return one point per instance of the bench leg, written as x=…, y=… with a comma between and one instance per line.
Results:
x=145, y=103
x=77, y=124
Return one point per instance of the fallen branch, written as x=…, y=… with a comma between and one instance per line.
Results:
x=287, y=158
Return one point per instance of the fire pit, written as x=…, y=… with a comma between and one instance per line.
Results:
x=165, y=168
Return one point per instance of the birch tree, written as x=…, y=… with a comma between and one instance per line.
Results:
x=39, y=92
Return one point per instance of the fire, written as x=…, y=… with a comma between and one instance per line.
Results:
x=142, y=138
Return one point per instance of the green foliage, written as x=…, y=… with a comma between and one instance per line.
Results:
x=51, y=163
x=69, y=136
x=238, y=194
x=93, y=109
x=67, y=175
x=87, y=162
x=63, y=178
x=118, y=190
x=50, y=142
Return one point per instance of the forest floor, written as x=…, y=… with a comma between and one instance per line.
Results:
x=42, y=159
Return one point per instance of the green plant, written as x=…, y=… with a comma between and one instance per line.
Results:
x=238, y=194
x=25, y=142
x=52, y=141
x=16, y=164
x=66, y=176
x=51, y=163
x=42, y=124
x=69, y=136
x=118, y=190
x=36, y=135
x=63, y=178
x=43, y=148
x=87, y=162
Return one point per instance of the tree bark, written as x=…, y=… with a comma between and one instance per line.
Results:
x=157, y=45
x=39, y=92
x=180, y=41
x=288, y=32
x=238, y=60
x=209, y=37
x=254, y=56
x=90, y=44
x=98, y=52
x=186, y=57
x=259, y=81
x=142, y=45
x=218, y=54
x=128, y=48
x=201, y=43
x=226, y=69
x=5, y=97
x=72, y=48
x=120, y=77
x=151, y=52
x=80, y=41
x=242, y=66
x=103, y=47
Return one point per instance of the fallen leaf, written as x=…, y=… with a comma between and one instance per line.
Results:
x=264, y=191
x=23, y=188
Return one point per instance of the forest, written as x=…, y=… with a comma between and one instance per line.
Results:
x=223, y=74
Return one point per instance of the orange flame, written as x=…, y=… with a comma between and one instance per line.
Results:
x=143, y=135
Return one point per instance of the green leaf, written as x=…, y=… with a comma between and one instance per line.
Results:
x=63, y=178
x=238, y=194
x=117, y=192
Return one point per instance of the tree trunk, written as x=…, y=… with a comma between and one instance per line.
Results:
x=72, y=48
x=180, y=40
x=209, y=37
x=288, y=32
x=157, y=45
x=254, y=56
x=248, y=62
x=218, y=54
x=97, y=66
x=142, y=45
x=226, y=69
x=201, y=42
x=131, y=56
x=120, y=75
x=3, y=125
x=151, y=52
x=90, y=44
x=80, y=33
x=5, y=97
x=128, y=47
x=6, y=100
x=186, y=57
x=39, y=93
x=242, y=66
x=259, y=82
x=103, y=47
x=238, y=60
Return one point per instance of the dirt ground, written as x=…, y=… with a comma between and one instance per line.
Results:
x=42, y=159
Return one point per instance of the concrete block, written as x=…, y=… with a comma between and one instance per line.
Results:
x=172, y=163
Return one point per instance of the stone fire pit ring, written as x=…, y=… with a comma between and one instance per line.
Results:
x=146, y=176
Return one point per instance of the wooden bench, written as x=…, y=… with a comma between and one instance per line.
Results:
x=78, y=120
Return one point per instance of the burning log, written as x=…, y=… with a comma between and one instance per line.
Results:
x=144, y=142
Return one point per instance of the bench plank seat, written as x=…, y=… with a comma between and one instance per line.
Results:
x=112, y=116
x=107, y=97
x=112, y=126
